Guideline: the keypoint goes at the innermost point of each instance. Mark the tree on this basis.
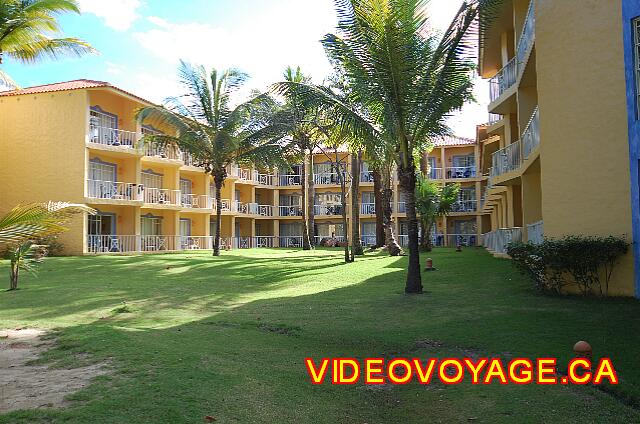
(37, 220)
(23, 257)
(432, 201)
(356, 242)
(25, 29)
(216, 134)
(25, 223)
(408, 78)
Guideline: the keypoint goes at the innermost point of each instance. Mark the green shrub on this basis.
(586, 262)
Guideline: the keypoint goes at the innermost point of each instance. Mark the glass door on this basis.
(102, 180)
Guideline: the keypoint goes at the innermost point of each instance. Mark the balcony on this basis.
(461, 172)
(197, 201)
(162, 196)
(464, 206)
(162, 152)
(188, 159)
(112, 136)
(367, 208)
(497, 241)
(225, 203)
(108, 190)
(535, 232)
(366, 177)
(290, 241)
(531, 135)
(503, 80)
(327, 210)
(369, 239)
(146, 243)
(267, 210)
(264, 179)
(493, 118)
(326, 178)
(290, 210)
(435, 173)
(245, 208)
(289, 180)
(506, 160)
(527, 37)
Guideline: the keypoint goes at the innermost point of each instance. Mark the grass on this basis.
(189, 335)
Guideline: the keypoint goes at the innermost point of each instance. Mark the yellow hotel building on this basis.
(561, 148)
(77, 141)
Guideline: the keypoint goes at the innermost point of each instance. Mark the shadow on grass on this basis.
(238, 354)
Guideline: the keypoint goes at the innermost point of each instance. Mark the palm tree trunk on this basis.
(377, 194)
(390, 241)
(408, 185)
(312, 195)
(305, 205)
(343, 191)
(216, 241)
(15, 271)
(356, 241)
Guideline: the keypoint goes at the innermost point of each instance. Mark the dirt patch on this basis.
(26, 386)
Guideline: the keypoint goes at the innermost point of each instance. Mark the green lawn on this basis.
(227, 337)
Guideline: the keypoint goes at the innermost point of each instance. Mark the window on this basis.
(368, 197)
(151, 179)
(151, 225)
(368, 229)
(636, 49)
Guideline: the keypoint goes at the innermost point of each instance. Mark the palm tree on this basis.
(356, 241)
(216, 134)
(25, 26)
(408, 78)
(432, 201)
(37, 220)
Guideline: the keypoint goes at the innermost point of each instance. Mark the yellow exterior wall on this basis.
(36, 168)
(584, 167)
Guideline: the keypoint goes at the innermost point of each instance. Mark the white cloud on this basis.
(117, 14)
(262, 45)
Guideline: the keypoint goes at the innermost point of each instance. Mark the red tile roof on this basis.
(448, 141)
(66, 86)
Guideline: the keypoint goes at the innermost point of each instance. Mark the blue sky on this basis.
(141, 41)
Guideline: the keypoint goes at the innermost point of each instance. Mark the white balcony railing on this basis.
(403, 240)
(264, 179)
(226, 204)
(457, 172)
(531, 134)
(503, 80)
(366, 177)
(469, 240)
(465, 206)
(535, 232)
(163, 152)
(162, 196)
(290, 210)
(245, 208)
(112, 136)
(188, 159)
(290, 241)
(289, 179)
(318, 240)
(367, 208)
(327, 210)
(527, 36)
(493, 118)
(435, 173)
(197, 201)
(369, 239)
(507, 159)
(267, 210)
(497, 241)
(327, 178)
(97, 189)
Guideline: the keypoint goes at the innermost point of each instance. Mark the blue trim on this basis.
(99, 109)
(151, 171)
(630, 11)
(102, 162)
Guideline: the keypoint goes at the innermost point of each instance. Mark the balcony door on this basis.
(101, 224)
(152, 184)
(151, 225)
(102, 179)
(186, 188)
